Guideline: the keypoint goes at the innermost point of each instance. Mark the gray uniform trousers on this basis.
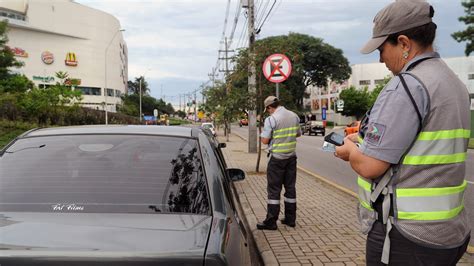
(281, 172)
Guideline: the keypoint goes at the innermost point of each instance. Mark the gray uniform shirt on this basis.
(393, 121)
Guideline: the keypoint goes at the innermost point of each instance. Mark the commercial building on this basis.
(61, 35)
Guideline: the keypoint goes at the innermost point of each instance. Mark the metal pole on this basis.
(252, 139)
(140, 92)
(105, 81)
(277, 91)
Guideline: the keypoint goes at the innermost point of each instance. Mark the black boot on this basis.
(288, 223)
(264, 226)
(290, 214)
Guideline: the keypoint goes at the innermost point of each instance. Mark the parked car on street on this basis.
(315, 127)
(352, 128)
(210, 127)
(119, 195)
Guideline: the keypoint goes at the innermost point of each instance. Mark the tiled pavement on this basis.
(327, 229)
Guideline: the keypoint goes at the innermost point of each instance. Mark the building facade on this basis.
(61, 35)
(372, 74)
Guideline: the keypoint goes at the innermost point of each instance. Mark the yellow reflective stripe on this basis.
(284, 144)
(286, 129)
(360, 139)
(445, 134)
(284, 136)
(283, 150)
(435, 159)
(365, 205)
(430, 192)
(364, 184)
(430, 216)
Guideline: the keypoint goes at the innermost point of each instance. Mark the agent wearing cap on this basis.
(280, 131)
(411, 163)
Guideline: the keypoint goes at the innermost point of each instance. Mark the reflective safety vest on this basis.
(285, 129)
(428, 185)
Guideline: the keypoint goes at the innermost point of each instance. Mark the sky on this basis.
(175, 43)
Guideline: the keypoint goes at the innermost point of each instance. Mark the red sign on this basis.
(277, 68)
(19, 52)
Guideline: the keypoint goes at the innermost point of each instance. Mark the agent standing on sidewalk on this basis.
(412, 158)
(280, 132)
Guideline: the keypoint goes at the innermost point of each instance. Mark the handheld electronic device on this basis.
(335, 139)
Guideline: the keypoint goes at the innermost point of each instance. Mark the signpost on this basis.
(277, 68)
(155, 114)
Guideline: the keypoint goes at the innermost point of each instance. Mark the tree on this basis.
(7, 59)
(314, 63)
(467, 35)
(356, 102)
(134, 86)
(375, 93)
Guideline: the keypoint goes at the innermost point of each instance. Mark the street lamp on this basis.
(105, 83)
(140, 92)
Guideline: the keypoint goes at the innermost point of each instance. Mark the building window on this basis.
(110, 92)
(470, 76)
(379, 81)
(364, 82)
(89, 90)
(12, 15)
(118, 93)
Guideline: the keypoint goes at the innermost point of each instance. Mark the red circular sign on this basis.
(277, 68)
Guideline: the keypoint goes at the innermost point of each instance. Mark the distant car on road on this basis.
(352, 128)
(243, 122)
(210, 127)
(119, 195)
(315, 127)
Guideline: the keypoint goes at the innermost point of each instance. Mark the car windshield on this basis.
(103, 173)
(207, 126)
(316, 123)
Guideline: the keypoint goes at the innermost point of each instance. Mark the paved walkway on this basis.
(327, 229)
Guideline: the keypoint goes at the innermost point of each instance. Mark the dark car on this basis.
(119, 195)
(315, 127)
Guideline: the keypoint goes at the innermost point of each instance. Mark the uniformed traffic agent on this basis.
(280, 132)
(411, 162)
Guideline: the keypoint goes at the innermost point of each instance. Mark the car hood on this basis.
(103, 235)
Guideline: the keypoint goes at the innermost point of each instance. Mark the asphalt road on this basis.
(312, 158)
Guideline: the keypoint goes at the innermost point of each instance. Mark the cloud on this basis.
(178, 40)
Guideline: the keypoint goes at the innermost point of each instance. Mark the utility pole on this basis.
(252, 136)
(195, 105)
(226, 119)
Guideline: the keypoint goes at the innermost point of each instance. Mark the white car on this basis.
(210, 127)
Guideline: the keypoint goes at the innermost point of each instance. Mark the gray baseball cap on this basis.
(269, 100)
(398, 16)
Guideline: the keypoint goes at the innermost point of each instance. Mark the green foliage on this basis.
(10, 130)
(471, 144)
(134, 86)
(225, 106)
(131, 105)
(467, 35)
(314, 62)
(180, 114)
(16, 83)
(356, 102)
(7, 59)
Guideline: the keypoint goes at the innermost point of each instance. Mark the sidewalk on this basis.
(326, 231)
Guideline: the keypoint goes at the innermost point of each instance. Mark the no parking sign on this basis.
(277, 68)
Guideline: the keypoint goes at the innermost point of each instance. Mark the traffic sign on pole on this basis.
(277, 68)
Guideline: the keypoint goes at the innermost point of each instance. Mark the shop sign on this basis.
(72, 82)
(19, 52)
(44, 79)
(47, 57)
(71, 59)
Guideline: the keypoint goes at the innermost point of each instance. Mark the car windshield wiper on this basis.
(26, 148)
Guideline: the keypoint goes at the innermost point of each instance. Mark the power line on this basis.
(269, 11)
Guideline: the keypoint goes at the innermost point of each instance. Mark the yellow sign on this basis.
(71, 59)
(200, 114)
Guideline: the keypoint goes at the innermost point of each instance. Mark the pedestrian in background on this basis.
(411, 162)
(280, 131)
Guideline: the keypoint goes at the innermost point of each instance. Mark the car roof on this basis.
(113, 129)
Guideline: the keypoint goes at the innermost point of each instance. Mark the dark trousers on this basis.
(407, 253)
(281, 172)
